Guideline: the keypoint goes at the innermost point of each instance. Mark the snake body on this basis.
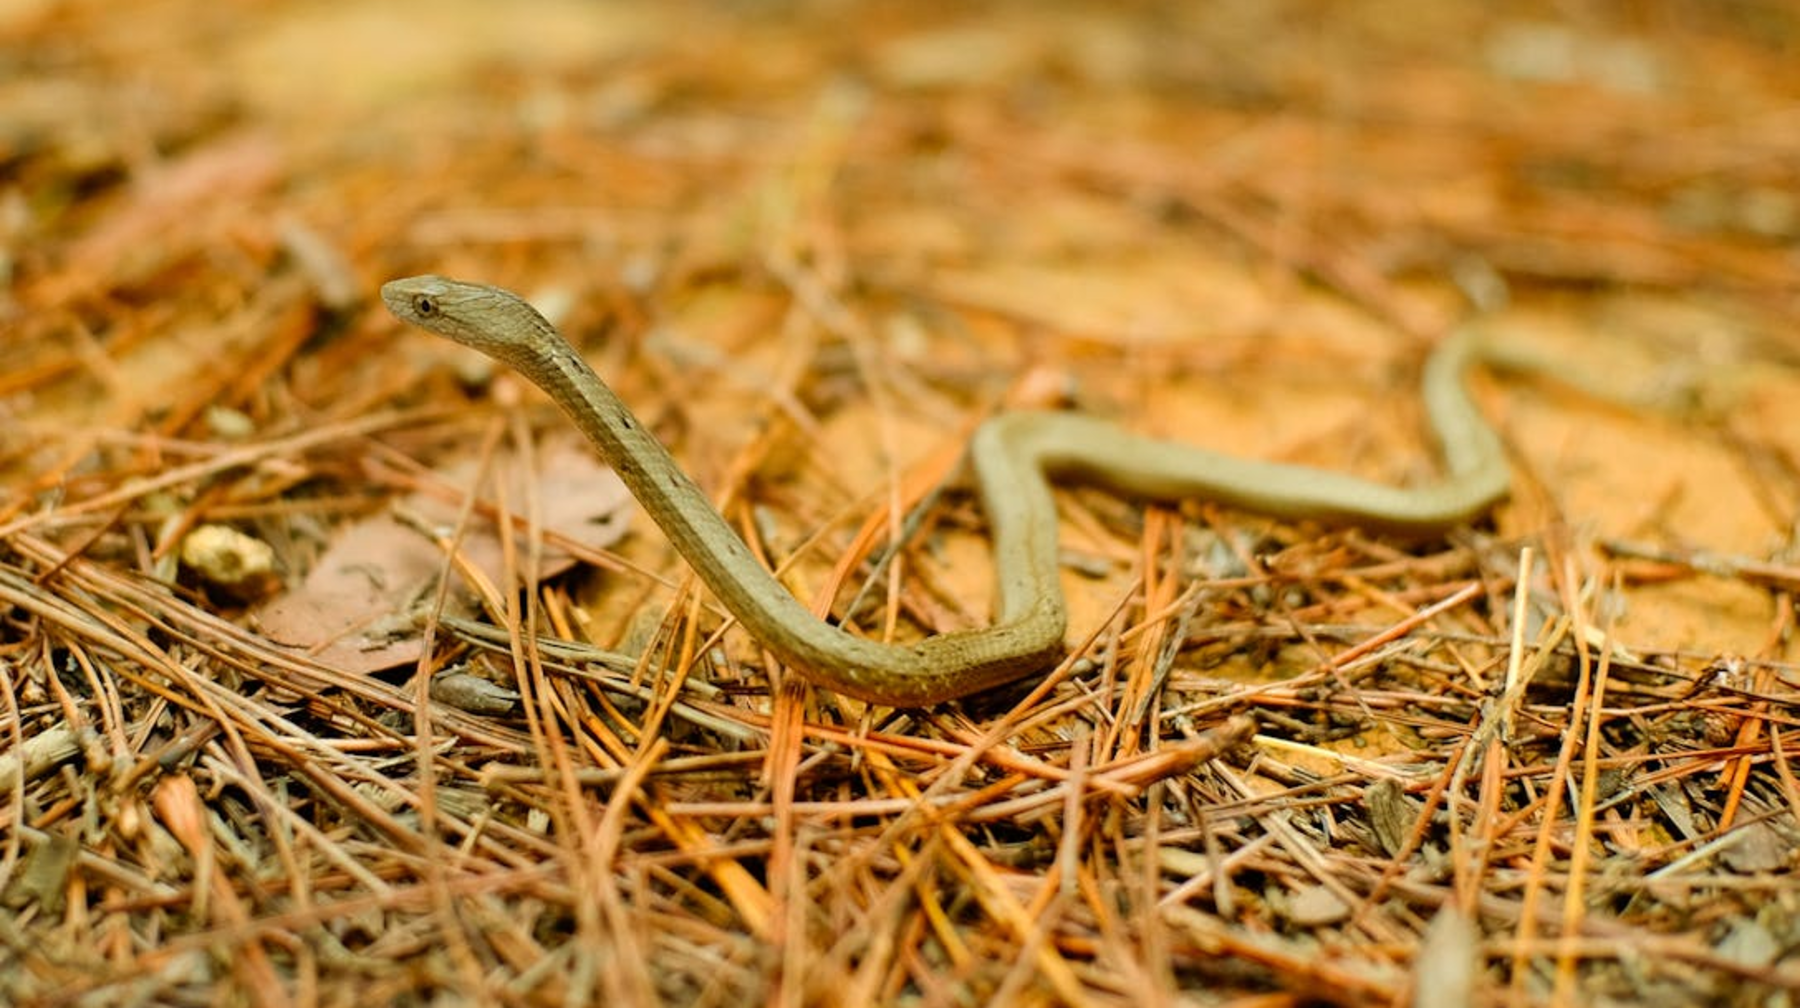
(1013, 457)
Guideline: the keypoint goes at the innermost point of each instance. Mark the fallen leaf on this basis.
(363, 604)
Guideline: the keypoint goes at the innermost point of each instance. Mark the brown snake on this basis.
(1012, 456)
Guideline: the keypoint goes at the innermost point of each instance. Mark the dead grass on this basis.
(1546, 761)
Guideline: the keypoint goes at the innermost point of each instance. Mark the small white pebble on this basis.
(228, 424)
(224, 556)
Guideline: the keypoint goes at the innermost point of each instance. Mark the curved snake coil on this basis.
(1012, 455)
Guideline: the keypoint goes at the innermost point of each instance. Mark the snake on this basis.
(1013, 457)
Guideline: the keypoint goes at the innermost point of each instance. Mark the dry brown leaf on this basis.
(363, 604)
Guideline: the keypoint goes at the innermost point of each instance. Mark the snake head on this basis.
(497, 322)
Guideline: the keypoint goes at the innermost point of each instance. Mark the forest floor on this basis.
(337, 670)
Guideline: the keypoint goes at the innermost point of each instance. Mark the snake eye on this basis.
(424, 305)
